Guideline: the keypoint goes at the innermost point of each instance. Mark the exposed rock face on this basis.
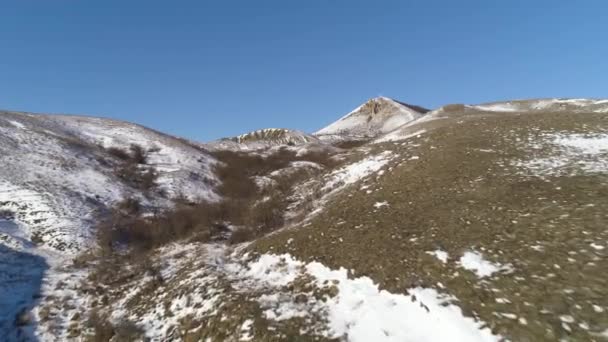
(263, 138)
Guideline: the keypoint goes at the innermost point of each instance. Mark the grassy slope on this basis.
(462, 194)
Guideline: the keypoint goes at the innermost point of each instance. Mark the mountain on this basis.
(465, 223)
(263, 138)
(376, 116)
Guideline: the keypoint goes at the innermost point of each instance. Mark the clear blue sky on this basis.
(207, 69)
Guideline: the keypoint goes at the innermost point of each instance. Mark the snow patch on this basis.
(352, 173)
(439, 254)
(360, 311)
(474, 262)
(17, 124)
(246, 327)
(569, 154)
(398, 135)
(379, 205)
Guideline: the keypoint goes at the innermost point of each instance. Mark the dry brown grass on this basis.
(350, 144)
(455, 107)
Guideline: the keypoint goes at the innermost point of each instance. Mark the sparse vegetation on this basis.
(349, 144)
(132, 167)
(118, 153)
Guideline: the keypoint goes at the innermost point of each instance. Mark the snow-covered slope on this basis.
(263, 138)
(532, 106)
(547, 105)
(377, 116)
(57, 173)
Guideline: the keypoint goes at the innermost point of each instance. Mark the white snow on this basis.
(566, 318)
(246, 334)
(379, 205)
(569, 153)
(17, 124)
(398, 135)
(182, 167)
(440, 254)
(583, 143)
(362, 312)
(474, 262)
(352, 173)
(273, 270)
(497, 107)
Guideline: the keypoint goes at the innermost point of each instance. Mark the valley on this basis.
(467, 222)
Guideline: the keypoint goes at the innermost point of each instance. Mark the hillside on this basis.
(61, 174)
(466, 223)
(62, 170)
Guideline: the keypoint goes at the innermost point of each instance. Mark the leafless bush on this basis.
(75, 143)
(267, 215)
(130, 206)
(118, 153)
(142, 233)
(242, 234)
(138, 155)
(140, 178)
(128, 331)
(6, 214)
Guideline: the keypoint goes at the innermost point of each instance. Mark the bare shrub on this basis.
(130, 206)
(350, 144)
(118, 153)
(37, 238)
(138, 154)
(242, 234)
(267, 215)
(143, 179)
(128, 331)
(75, 143)
(324, 158)
(126, 228)
(6, 214)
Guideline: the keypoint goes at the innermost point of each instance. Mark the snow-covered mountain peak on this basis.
(377, 116)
